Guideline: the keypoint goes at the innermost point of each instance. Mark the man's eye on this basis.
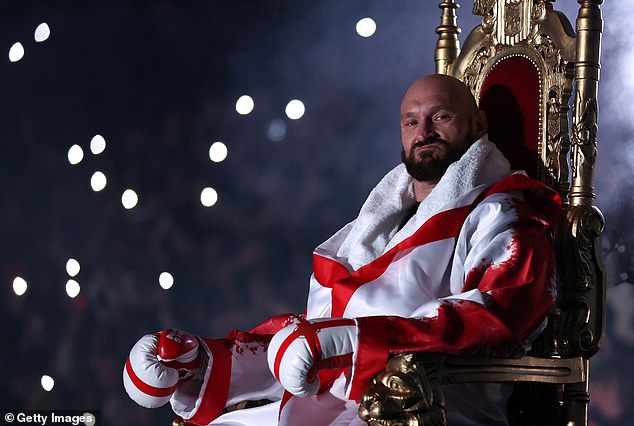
(441, 117)
(410, 123)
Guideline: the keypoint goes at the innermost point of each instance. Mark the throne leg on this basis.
(576, 400)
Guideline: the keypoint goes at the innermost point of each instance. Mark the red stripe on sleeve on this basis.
(217, 387)
(372, 353)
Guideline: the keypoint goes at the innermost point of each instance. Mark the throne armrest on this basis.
(409, 391)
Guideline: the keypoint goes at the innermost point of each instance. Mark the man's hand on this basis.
(297, 352)
(157, 363)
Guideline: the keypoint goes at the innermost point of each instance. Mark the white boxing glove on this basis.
(297, 352)
(157, 363)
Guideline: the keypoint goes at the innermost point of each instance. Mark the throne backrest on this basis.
(521, 64)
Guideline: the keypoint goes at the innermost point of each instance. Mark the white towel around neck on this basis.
(376, 229)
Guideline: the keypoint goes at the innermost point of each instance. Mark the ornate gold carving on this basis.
(486, 9)
(404, 394)
(558, 78)
(553, 138)
(408, 391)
(584, 144)
(483, 7)
(539, 12)
(473, 72)
(513, 21)
(581, 323)
(557, 138)
(544, 45)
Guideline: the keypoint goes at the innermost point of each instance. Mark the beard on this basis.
(430, 166)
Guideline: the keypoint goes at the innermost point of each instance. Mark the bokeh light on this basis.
(366, 27)
(166, 280)
(295, 109)
(72, 288)
(98, 181)
(47, 383)
(208, 197)
(218, 152)
(97, 144)
(89, 419)
(276, 130)
(244, 104)
(19, 286)
(16, 52)
(72, 267)
(42, 32)
(129, 199)
(75, 154)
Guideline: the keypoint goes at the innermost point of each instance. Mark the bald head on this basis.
(452, 89)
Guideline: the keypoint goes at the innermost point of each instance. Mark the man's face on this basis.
(437, 127)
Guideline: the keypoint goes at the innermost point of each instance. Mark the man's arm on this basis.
(507, 266)
(227, 371)
(503, 275)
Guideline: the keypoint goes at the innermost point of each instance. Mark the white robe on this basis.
(470, 272)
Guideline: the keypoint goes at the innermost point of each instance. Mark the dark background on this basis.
(159, 80)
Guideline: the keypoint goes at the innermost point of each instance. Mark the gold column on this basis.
(447, 46)
(585, 111)
(584, 274)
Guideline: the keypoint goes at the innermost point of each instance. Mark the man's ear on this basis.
(480, 124)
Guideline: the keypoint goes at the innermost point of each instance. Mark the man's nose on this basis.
(426, 129)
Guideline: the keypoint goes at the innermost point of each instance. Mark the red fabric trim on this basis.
(328, 271)
(285, 398)
(339, 361)
(372, 353)
(144, 387)
(444, 225)
(217, 390)
(275, 324)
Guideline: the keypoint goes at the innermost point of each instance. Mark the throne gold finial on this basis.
(447, 46)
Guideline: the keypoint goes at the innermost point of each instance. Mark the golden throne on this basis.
(522, 63)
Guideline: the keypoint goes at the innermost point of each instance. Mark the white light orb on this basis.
(276, 130)
(208, 197)
(97, 144)
(47, 382)
(42, 32)
(16, 52)
(366, 27)
(129, 199)
(244, 104)
(98, 181)
(218, 152)
(166, 280)
(72, 288)
(72, 267)
(75, 154)
(89, 419)
(295, 109)
(19, 286)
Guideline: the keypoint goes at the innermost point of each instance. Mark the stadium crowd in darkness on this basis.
(242, 260)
